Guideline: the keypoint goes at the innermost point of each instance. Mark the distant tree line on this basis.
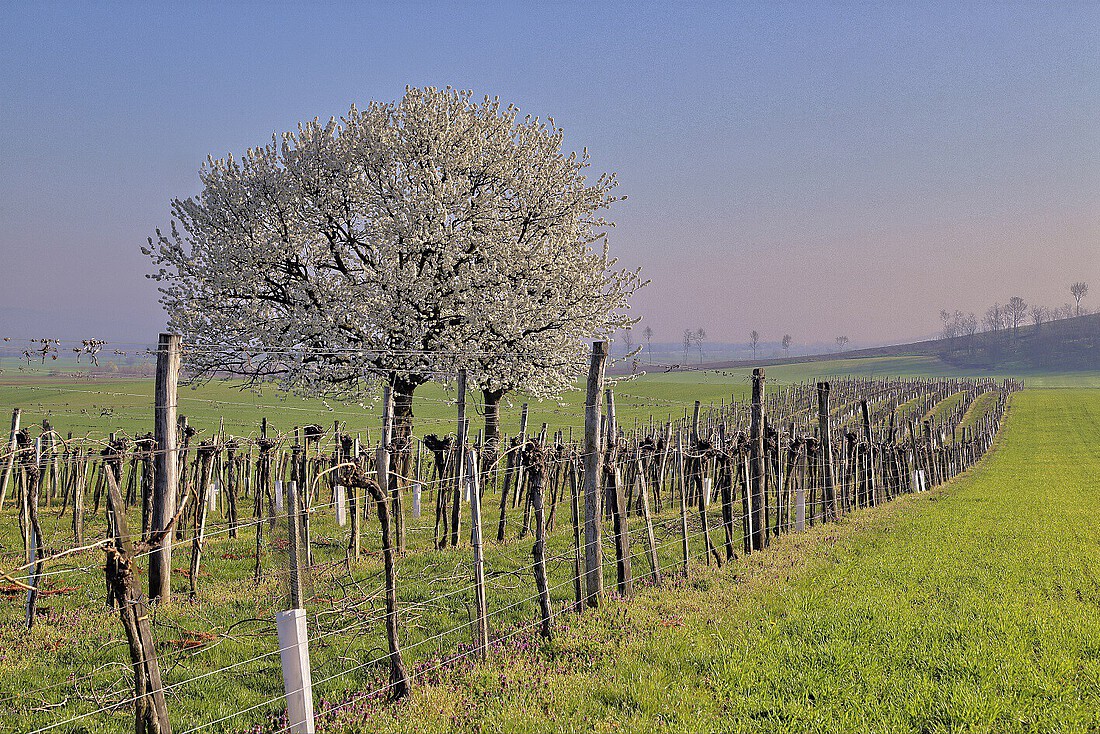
(1010, 316)
(996, 337)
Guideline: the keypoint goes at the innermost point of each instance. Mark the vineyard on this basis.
(411, 557)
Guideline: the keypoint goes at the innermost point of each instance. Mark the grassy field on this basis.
(96, 406)
(219, 649)
(911, 616)
(973, 608)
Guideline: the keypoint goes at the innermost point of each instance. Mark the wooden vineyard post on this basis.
(825, 433)
(696, 481)
(165, 478)
(512, 473)
(519, 494)
(184, 433)
(293, 540)
(578, 545)
(726, 467)
(231, 475)
(779, 475)
(662, 468)
(9, 463)
(481, 611)
(509, 456)
(593, 467)
(292, 629)
(150, 709)
(35, 474)
(147, 448)
(537, 476)
(683, 500)
(382, 454)
(399, 676)
(206, 454)
(393, 483)
(262, 489)
(643, 499)
(351, 453)
(617, 497)
(868, 438)
(793, 449)
(460, 457)
(78, 497)
(756, 460)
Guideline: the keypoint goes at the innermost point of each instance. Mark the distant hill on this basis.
(1066, 345)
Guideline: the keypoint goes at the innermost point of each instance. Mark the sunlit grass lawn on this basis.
(936, 612)
(972, 608)
(97, 406)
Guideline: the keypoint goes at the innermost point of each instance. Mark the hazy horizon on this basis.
(802, 169)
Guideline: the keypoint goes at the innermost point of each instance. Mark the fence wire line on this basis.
(423, 604)
(571, 552)
(446, 661)
(409, 607)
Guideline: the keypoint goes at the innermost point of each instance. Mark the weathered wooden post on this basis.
(617, 498)
(151, 711)
(519, 473)
(33, 545)
(513, 473)
(293, 632)
(13, 446)
(868, 438)
(481, 611)
(593, 468)
(262, 489)
(79, 468)
(726, 465)
(537, 467)
(233, 464)
(350, 452)
(399, 676)
(756, 460)
(184, 433)
(683, 500)
(382, 453)
(643, 499)
(460, 458)
(165, 478)
(205, 470)
(578, 545)
(825, 433)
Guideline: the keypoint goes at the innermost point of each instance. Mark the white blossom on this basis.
(399, 243)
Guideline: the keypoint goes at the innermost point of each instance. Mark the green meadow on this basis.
(91, 405)
(975, 607)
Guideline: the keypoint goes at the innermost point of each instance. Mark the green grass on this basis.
(944, 407)
(978, 409)
(74, 661)
(90, 405)
(97, 406)
(972, 608)
(926, 366)
(882, 618)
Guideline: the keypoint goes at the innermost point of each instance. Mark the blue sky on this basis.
(807, 168)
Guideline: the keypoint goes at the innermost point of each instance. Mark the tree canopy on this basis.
(400, 243)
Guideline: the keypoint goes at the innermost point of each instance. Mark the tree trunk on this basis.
(492, 400)
(538, 476)
(401, 454)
